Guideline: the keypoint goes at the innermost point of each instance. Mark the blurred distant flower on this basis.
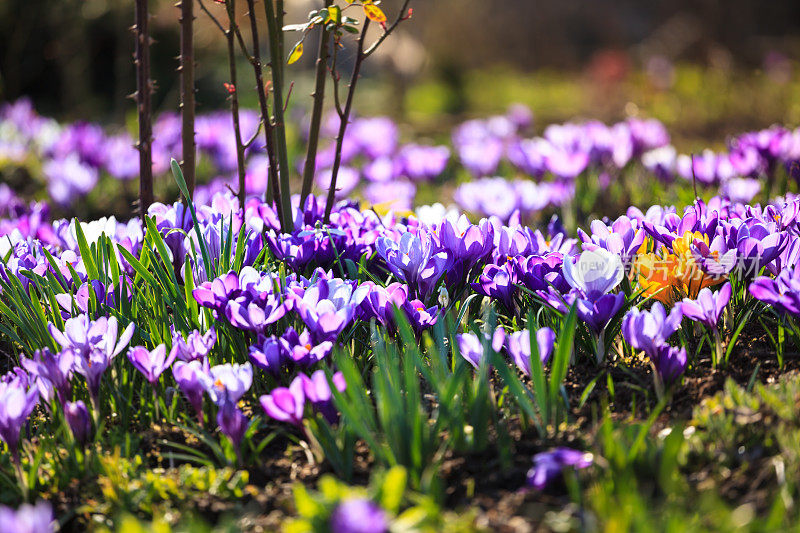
(548, 466)
(359, 515)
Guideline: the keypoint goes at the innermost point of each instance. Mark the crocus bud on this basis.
(78, 419)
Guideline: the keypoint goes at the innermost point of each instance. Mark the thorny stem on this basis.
(143, 108)
(316, 112)
(273, 186)
(274, 16)
(186, 69)
(343, 119)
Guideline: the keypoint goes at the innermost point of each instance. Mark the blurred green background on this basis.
(706, 68)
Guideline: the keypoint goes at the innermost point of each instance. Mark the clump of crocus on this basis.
(548, 466)
(692, 263)
(286, 404)
(708, 309)
(359, 515)
(78, 420)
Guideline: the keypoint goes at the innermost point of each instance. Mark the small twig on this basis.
(211, 16)
(243, 46)
(288, 96)
(252, 139)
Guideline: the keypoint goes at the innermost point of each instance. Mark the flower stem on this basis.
(718, 352)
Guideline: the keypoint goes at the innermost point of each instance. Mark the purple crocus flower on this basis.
(267, 354)
(216, 294)
(466, 244)
(670, 362)
(548, 466)
(599, 312)
(196, 346)
(82, 335)
(499, 283)
(191, 378)
(301, 350)
(471, 348)
(228, 382)
(380, 302)
(758, 246)
(715, 259)
(286, 404)
(359, 515)
(17, 400)
(328, 306)
(539, 272)
(649, 330)
(28, 518)
(78, 420)
(622, 238)
(255, 315)
(151, 363)
(94, 345)
(708, 306)
(519, 346)
(416, 260)
(233, 423)
(420, 162)
(783, 292)
(317, 390)
(53, 372)
(419, 316)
